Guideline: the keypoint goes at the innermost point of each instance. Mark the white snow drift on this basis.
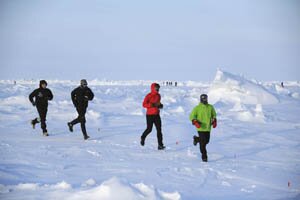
(237, 89)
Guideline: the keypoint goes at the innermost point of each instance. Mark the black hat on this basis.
(43, 82)
(83, 82)
(203, 98)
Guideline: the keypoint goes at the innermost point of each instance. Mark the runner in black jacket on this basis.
(39, 98)
(80, 98)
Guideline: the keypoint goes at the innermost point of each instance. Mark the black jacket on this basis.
(81, 95)
(41, 97)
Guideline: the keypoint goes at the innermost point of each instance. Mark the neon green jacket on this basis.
(203, 113)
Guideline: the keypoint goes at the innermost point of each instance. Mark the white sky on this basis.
(157, 39)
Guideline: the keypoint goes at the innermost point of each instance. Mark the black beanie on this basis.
(83, 82)
(43, 82)
(203, 98)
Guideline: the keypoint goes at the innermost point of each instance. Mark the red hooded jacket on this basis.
(150, 99)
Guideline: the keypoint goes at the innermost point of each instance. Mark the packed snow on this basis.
(254, 153)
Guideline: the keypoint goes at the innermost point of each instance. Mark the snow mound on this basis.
(27, 186)
(89, 182)
(296, 95)
(243, 113)
(61, 186)
(281, 90)
(178, 110)
(93, 115)
(112, 189)
(232, 88)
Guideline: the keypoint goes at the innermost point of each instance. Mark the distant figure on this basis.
(171, 83)
(175, 84)
(203, 117)
(15, 82)
(80, 98)
(282, 85)
(39, 98)
(153, 105)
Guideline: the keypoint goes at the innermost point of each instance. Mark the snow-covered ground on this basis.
(254, 153)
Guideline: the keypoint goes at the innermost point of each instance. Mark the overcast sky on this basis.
(154, 39)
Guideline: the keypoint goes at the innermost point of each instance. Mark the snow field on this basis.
(253, 153)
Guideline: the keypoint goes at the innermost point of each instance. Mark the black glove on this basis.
(156, 105)
(161, 106)
(33, 103)
(153, 105)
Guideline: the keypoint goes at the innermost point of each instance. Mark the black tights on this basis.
(42, 114)
(81, 119)
(203, 140)
(153, 119)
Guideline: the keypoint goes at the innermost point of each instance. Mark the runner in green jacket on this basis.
(203, 117)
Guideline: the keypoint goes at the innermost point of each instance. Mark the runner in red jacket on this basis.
(153, 105)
